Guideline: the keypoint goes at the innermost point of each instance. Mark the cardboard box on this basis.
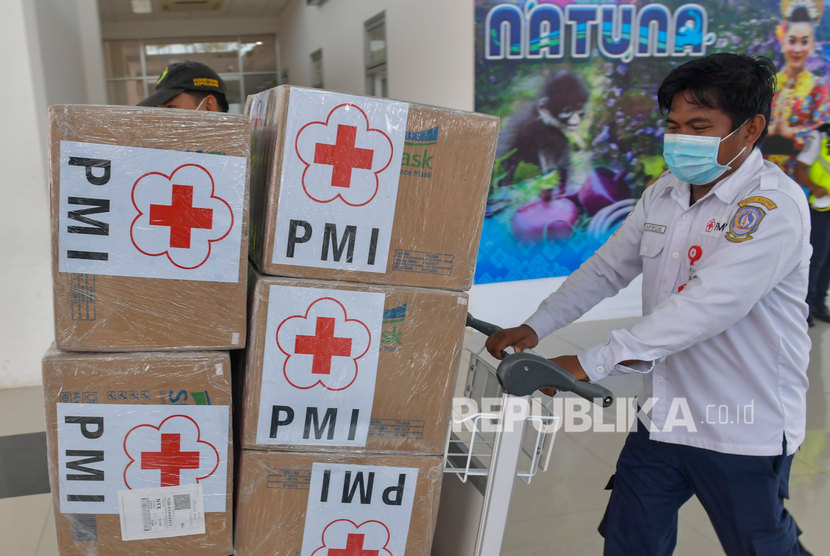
(367, 190)
(137, 433)
(149, 228)
(290, 504)
(334, 366)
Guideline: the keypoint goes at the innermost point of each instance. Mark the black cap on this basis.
(183, 77)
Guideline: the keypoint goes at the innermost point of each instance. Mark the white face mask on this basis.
(201, 103)
(694, 158)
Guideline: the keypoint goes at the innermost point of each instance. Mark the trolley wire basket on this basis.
(478, 418)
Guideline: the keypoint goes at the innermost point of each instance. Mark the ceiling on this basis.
(121, 10)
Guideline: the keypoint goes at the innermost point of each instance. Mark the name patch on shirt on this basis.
(657, 228)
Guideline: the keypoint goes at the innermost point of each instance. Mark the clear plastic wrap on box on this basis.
(149, 228)
(338, 366)
(367, 190)
(292, 503)
(140, 452)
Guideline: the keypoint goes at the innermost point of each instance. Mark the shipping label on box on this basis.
(358, 509)
(158, 513)
(151, 213)
(339, 184)
(107, 448)
(319, 366)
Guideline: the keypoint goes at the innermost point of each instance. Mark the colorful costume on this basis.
(807, 104)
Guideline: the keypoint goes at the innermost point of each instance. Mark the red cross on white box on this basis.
(343, 156)
(357, 539)
(354, 547)
(170, 454)
(323, 346)
(170, 460)
(181, 216)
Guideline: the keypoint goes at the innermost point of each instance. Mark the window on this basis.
(247, 63)
(317, 68)
(375, 55)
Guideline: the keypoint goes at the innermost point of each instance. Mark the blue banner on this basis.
(575, 85)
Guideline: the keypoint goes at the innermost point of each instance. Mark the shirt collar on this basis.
(728, 189)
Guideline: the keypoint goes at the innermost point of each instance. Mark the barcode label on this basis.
(145, 513)
(152, 513)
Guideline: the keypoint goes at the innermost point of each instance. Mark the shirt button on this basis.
(601, 369)
(675, 255)
(685, 217)
(660, 379)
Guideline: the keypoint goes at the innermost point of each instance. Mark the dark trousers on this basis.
(743, 495)
(820, 261)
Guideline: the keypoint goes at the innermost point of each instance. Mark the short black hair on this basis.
(740, 85)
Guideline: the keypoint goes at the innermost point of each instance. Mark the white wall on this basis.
(429, 47)
(52, 55)
(26, 325)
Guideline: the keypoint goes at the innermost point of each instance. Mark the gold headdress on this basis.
(815, 8)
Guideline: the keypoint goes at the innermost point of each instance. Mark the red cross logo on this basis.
(710, 225)
(354, 547)
(343, 156)
(323, 346)
(181, 216)
(170, 460)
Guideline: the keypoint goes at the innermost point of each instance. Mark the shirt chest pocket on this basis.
(651, 245)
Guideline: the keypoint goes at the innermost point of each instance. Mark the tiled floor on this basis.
(27, 525)
(557, 513)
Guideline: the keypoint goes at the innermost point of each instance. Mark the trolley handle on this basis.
(522, 373)
(486, 328)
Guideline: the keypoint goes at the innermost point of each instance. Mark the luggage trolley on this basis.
(500, 434)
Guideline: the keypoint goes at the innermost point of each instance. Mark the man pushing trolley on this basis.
(722, 243)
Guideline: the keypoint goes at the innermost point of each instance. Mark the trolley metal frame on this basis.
(513, 438)
(498, 444)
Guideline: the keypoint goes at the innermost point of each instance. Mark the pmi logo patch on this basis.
(417, 157)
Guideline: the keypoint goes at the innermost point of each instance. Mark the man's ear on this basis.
(212, 104)
(753, 129)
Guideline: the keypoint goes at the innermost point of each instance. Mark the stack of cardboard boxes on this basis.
(366, 217)
(149, 246)
(365, 222)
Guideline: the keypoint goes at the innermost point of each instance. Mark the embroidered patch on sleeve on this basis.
(747, 218)
(758, 200)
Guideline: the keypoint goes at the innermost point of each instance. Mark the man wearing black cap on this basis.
(190, 85)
